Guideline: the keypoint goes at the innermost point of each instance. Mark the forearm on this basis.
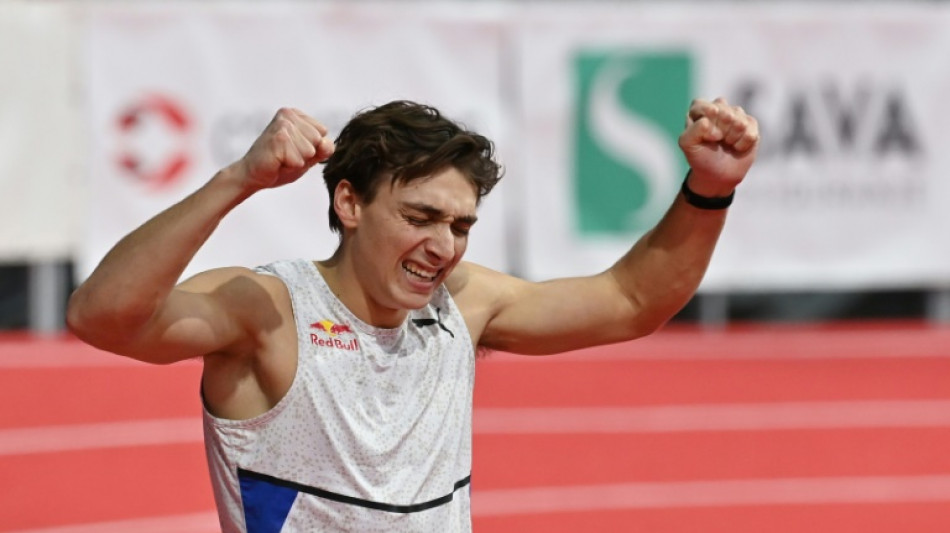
(662, 271)
(138, 273)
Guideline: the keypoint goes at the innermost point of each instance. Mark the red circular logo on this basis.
(155, 147)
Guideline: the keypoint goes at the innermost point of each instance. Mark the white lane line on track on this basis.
(54, 439)
(712, 417)
(507, 421)
(206, 522)
(712, 493)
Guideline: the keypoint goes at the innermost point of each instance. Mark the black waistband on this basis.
(369, 504)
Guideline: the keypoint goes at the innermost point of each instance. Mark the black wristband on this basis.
(705, 202)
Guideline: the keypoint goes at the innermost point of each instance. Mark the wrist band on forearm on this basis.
(705, 202)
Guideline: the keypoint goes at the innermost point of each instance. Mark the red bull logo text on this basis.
(334, 331)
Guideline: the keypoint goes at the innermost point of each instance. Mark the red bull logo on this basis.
(334, 330)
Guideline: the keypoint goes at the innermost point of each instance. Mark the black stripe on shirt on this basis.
(369, 504)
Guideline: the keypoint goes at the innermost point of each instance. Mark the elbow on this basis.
(84, 318)
(650, 316)
(656, 325)
(103, 322)
(645, 326)
(77, 315)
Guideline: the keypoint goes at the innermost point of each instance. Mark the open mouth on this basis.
(420, 273)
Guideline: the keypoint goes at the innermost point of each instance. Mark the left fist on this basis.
(720, 143)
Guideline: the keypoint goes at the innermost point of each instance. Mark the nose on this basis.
(441, 244)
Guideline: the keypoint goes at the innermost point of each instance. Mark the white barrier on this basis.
(847, 193)
(40, 140)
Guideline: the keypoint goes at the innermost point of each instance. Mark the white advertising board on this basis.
(177, 91)
(40, 143)
(850, 186)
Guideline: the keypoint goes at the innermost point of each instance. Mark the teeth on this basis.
(420, 273)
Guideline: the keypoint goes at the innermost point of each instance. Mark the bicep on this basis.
(216, 311)
(560, 315)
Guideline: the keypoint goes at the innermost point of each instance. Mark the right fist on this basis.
(286, 149)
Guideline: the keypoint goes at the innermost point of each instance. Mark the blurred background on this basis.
(112, 111)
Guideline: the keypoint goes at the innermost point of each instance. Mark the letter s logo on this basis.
(628, 138)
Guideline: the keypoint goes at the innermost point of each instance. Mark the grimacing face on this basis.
(410, 237)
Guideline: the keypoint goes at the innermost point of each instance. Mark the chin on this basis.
(413, 300)
(418, 302)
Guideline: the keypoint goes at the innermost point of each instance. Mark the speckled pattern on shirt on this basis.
(382, 415)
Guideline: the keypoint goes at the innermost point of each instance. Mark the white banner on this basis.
(851, 182)
(39, 139)
(177, 91)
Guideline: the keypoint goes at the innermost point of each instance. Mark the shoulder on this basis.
(482, 293)
(252, 297)
(477, 281)
(232, 281)
(488, 286)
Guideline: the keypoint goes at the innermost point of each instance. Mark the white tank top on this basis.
(374, 434)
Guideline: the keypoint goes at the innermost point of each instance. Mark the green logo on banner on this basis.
(630, 110)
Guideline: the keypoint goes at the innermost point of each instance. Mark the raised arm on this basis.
(130, 304)
(651, 282)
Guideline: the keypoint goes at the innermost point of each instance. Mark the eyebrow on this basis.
(435, 212)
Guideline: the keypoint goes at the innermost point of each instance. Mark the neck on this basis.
(343, 279)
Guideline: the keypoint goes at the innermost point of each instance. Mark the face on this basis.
(409, 239)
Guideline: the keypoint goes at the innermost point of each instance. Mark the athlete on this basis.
(338, 393)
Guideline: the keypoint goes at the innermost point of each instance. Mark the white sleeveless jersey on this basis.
(374, 434)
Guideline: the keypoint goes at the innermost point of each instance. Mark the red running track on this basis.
(782, 429)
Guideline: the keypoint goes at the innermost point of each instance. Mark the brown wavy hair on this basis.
(404, 141)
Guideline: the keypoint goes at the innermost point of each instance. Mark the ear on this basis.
(347, 204)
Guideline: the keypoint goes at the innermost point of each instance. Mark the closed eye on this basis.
(416, 221)
(424, 215)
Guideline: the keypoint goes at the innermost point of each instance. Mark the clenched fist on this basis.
(290, 144)
(720, 143)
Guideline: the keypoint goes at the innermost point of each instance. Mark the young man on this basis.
(338, 393)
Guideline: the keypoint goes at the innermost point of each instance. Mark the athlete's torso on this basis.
(374, 433)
